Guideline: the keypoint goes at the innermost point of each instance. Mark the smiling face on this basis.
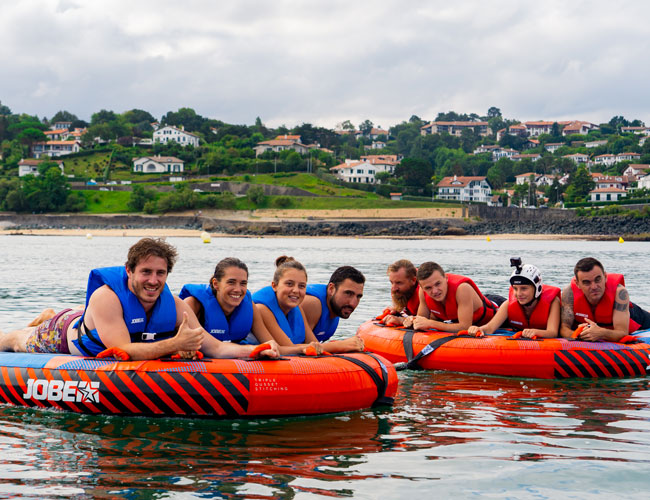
(435, 286)
(290, 289)
(592, 283)
(231, 288)
(344, 300)
(524, 293)
(402, 287)
(147, 280)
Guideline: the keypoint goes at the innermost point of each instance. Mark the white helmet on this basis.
(527, 275)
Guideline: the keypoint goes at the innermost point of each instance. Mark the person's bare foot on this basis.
(44, 316)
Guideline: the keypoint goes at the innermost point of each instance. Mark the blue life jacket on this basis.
(160, 325)
(292, 324)
(326, 326)
(235, 327)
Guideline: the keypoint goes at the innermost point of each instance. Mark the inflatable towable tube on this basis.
(503, 354)
(209, 388)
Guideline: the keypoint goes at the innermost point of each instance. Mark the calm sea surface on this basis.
(448, 434)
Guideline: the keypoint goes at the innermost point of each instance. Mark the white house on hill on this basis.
(606, 194)
(282, 143)
(464, 189)
(355, 171)
(30, 166)
(55, 148)
(169, 133)
(158, 164)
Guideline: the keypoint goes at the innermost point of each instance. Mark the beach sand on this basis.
(195, 233)
(278, 216)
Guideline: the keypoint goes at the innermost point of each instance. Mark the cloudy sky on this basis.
(322, 62)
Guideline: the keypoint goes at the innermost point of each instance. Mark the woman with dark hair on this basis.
(225, 307)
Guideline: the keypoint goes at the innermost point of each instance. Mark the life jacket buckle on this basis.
(148, 336)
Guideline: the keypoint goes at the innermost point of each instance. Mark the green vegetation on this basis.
(106, 202)
(47, 192)
(113, 140)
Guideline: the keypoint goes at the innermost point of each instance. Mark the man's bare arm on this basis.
(313, 310)
(567, 314)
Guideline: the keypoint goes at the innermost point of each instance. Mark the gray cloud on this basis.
(326, 61)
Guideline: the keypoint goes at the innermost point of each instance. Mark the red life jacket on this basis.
(448, 311)
(411, 308)
(539, 318)
(604, 310)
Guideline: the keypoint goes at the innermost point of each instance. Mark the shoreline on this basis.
(501, 225)
(196, 233)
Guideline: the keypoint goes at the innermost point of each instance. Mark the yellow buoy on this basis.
(620, 239)
(488, 239)
(205, 237)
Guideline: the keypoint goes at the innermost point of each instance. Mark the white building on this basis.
(158, 164)
(475, 189)
(644, 182)
(55, 148)
(375, 133)
(579, 128)
(455, 128)
(636, 170)
(486, 148)
(552, 147)
(579, 158)
(355, 171)
(525, 178)
(628, 156)
(606, 194)
(605, 160)
(61, 125)
(497, 154)
(382, 163)
(30, 166)
(635, 130)
(169, 133)
(531, 157)
(610, 181)
(282, 143)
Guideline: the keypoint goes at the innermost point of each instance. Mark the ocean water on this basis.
(448, 434)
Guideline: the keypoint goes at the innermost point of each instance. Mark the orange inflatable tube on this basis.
(209, 388)
(501, 354)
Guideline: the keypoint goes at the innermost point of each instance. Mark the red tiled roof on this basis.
(458, 181)
(59, 143)
(163, 159)
(285, 136)
(348, 165)
(280, 142)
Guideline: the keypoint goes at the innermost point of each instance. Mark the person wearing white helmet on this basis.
(532, 307)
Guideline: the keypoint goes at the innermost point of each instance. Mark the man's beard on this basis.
(338, 311)
(401, 299)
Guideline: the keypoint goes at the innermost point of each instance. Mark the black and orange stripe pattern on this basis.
(135, 392)
(601, 363)
(224, 388)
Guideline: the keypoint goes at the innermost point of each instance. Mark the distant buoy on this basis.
(620, 239)
(89, 236)
(488, 239)
(205, 237)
